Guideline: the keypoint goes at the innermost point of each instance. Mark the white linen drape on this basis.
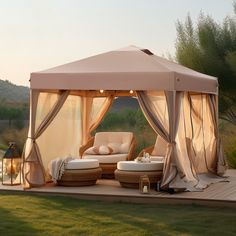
(63, 137)
(93, 111)
(221, 163)
(190, 130)
(33, 169)
(154, 105)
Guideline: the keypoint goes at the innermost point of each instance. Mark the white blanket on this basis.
(57, 167)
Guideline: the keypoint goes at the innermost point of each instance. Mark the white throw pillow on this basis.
(103, 150)
(92, 150)
(115, 146)
(124, 148)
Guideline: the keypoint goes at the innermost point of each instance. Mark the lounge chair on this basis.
(109, 148)
(157, 152)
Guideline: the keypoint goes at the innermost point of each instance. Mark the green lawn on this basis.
(22, 214)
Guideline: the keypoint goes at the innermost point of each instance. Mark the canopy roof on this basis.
(124, 69)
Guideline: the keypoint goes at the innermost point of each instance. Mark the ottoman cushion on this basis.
(107, 159)
(157, 158)
(81, 164)
(134, 166)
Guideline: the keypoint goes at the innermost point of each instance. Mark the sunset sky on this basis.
(36, 35)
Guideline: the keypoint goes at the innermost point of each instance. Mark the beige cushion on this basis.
(105, 159)
(134, 166)
(160, 147)
(157, 158)
(103, 149)
(80, 164)
(123, 139)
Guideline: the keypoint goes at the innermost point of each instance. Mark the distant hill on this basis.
(13, 94)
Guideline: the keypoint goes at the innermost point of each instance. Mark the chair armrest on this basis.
(148, 150)
(131, 152)
(84, 147)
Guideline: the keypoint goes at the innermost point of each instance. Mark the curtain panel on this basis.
(93, 111)
(221, 162)
(33, 169)
(194, 156)
(162, 112)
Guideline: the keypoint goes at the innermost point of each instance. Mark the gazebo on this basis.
(68, 102)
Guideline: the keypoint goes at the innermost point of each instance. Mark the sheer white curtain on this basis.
(196, 144)
(33, 167)
(93, 111)
(213, 107)
(189, 129)
(162, 112)
(63, 137)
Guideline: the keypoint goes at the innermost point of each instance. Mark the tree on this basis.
(10, 114)
(210, 48)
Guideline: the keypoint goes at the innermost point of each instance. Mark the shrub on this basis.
(228, 137)
(231, 155)
(14, 135)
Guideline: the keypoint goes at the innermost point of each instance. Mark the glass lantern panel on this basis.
(11, 171)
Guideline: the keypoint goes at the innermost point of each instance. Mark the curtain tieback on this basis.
(33, 139)
(173, 143)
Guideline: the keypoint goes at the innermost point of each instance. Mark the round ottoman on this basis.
(81, 172)
(128, 173)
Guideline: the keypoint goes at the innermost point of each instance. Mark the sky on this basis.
(39, 34)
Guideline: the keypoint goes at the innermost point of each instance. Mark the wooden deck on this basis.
(218, 194)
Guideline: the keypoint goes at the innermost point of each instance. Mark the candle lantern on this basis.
(11, 166)
(144, 184)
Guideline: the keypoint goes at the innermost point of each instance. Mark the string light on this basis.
(101, 91)
(131, 91)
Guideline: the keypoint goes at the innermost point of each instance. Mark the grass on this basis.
(22, 214)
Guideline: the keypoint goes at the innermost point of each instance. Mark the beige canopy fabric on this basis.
(180, 104)
(129, 68)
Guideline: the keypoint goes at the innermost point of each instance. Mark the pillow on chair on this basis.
(111, 148)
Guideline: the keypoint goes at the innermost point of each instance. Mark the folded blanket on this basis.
(57, 167)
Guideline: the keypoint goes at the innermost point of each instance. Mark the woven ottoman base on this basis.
(84, 177)
(108, 170)
(130, 179)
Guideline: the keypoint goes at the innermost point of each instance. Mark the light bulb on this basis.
(101, 90)
(131, 91)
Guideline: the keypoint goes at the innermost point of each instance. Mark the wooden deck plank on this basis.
(222, 193)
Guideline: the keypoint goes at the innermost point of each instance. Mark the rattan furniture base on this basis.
(84, 177)
(130, 179)
(108, 170)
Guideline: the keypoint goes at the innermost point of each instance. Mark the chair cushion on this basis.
(105, 159)
(107, 138)
(160, 147)
(80, 164)
(111, 148)
(157, 158)
(134, 166)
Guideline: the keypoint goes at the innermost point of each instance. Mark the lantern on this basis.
(144, 184)
(11, 166)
